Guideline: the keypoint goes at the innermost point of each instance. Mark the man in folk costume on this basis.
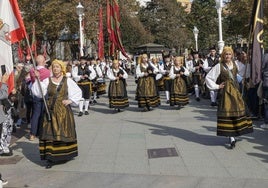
(232, 118)
(197, 72)
(189, 67)
(84, 74)
(165, 71)
(96, 82)
(212, 60)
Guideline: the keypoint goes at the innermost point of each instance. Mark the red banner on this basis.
(100, 38)
(113, 26)
(34, 42)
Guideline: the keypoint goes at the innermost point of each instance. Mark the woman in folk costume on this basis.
(147, 94)
(232, 119)
(117, 94)
(178, 74)
(57, 141)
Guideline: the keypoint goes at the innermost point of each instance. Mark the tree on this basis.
(53, 16)
(238, 18)
(133, 31)
(204, 16)
(161, 21)
(50, 18)
(166, 20)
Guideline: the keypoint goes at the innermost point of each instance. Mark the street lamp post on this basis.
(80, 13)
(219, 6)
(196, 31)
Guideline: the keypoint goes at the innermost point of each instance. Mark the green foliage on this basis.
(51, 17)
(239, 13)
(166, 20)
(204, 16)
(132, 30)
(161, 21)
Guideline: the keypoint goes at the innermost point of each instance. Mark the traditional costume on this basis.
(198, 73)
(84, 76)
(165, 70)
(178, 92)
(212, 60)
(99, 86)
(147, 94)
(232, 117)
(58, 141)
(117, 94)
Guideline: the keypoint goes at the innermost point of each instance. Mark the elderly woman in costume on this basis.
(147, 94)
(232, 119)
(178, 74)
(117, 94)
(57, 141)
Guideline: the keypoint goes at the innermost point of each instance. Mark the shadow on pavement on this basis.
(185, 134)
(30, 150)
(260, 138)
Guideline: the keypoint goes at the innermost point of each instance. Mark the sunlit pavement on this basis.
(163, 148)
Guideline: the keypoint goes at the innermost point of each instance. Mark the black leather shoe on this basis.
(213, 104)
(118, 110)
(86, 113)
(10, 153)
(49, 165)
(80, 114)
(232, 144)
(197, 99)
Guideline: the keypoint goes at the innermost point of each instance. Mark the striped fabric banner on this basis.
(257, 41)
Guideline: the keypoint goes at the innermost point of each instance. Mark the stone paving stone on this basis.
(248, 172)
(211, 171)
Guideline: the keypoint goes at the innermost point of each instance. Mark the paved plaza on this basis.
(163, 148)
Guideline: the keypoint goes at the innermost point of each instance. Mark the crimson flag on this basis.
(20, 52)
(100, 38)
(113, 26)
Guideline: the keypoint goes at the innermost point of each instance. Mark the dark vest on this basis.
(211, 62)
(224, 75)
